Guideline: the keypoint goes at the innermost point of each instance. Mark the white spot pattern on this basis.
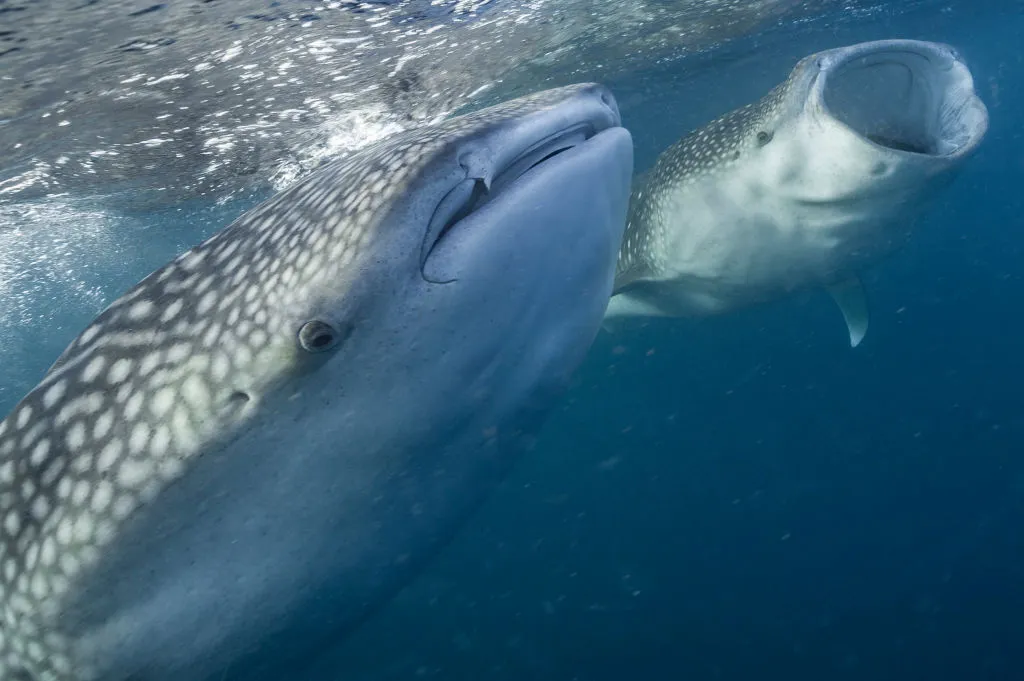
(144, 389)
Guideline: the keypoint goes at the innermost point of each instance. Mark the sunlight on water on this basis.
(56, 244)
(211, 101)
(716, 499)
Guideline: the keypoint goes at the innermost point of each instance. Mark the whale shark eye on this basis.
(318, 336)
(764, 137)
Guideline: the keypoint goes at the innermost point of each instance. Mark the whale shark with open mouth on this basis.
(819, 179)
(256, 446)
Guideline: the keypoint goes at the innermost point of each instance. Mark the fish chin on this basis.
(906, 97)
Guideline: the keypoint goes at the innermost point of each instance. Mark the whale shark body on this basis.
(258, 444)
(804, 188)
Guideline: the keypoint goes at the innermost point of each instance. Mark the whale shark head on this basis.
(854, 139)
(296, 407)
(820, 177)
(876, 123)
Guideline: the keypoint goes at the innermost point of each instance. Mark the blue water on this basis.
(741, 497)
(746, 497)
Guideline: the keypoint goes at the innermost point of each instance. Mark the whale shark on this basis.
(803, 189)
(253, 448)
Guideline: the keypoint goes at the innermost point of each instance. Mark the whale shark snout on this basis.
(820, 178)
(257, 445)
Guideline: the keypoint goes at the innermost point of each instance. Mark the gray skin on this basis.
(262, 441)
(819, 179)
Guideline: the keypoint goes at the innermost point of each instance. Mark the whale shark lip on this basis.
(515, 151)
(539, 153)
(474, 193)
(905, 96)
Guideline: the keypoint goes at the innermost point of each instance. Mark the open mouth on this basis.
(909, 97)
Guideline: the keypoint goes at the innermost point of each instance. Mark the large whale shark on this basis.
(259, 443)
(804, 188)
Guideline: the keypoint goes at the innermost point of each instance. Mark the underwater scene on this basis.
(560, 340)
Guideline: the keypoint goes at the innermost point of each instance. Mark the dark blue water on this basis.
(742, 497)
(747, 497)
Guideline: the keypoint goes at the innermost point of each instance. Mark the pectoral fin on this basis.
(849, 296)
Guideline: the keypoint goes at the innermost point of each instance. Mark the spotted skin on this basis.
(818, 179)
(711, 151)
(208, 349)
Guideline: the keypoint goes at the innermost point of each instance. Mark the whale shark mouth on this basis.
(538, 153)
(904, 96)
(473, 194)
